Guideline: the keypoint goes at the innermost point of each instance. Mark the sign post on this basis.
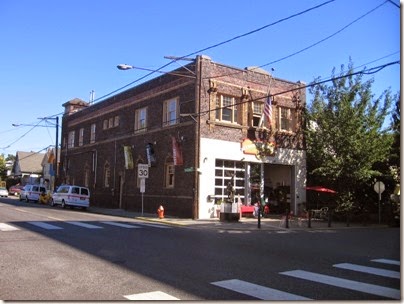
(379, 188)
(142, 173)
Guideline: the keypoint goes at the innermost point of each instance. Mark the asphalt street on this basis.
(61, 254)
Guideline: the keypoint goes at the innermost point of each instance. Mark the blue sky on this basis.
(54, 51)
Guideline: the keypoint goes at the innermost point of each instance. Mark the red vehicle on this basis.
(15, 190)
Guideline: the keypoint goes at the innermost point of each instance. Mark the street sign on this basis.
(379, 187)
(143, 171)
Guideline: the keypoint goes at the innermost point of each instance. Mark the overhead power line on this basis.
(19, 138)
(216, 45)
(326, 38)
(368, 71)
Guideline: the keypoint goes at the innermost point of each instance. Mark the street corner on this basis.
(164, 221)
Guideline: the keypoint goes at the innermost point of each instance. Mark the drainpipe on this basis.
(198, 86)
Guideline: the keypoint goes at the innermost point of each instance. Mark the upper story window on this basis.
(70, 140)
(92, 134)
(169, 175)
(116, 121)
(286, 119)
(141, 120)
(81, 136)
(226, 108)
(111, 122)
(170, 112)
(257, 111)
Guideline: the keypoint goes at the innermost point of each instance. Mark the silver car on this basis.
(3, 192)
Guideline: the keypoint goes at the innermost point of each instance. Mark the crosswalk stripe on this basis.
(386, 261)
(371, 270)
(7, 227)
(344, 283)
(154, 296)
(85, 225)
(257, 291)
(45, 225)
(120, 225)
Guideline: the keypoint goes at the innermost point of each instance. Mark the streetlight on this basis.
(124, 67)
(57, 137)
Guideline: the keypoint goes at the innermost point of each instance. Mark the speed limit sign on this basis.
(143, 171)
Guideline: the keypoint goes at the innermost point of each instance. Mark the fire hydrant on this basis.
(160, 212)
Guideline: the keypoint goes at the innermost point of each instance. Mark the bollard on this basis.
(329, 218)
(259, 218)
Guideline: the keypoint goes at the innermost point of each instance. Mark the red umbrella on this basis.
(320, 189)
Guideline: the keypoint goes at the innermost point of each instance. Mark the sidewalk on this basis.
(274, 222)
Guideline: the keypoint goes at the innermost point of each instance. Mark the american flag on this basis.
(268, 110)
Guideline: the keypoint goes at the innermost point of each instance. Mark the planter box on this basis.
(229, 217)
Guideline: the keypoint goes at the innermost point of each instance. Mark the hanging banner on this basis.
(128, 157)
(177, 152)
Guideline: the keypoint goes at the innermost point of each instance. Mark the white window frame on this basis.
(224, 170)
(226, 104)
(70, 140)
(286, 120)
(170, 112)
(257, 112)
(141, 120)
(92, 133)
(81, 137)
(169, 175)
(116, 121)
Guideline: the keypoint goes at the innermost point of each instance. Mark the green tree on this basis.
(345, 136)
(3, 169)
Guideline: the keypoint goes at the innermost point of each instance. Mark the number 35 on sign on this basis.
(143, 171)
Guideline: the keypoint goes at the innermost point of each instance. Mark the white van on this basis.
(32, 192)
(73, 196)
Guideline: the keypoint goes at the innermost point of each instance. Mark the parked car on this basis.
(15, 190)
(72, 196)
(32, 193)
(3, 192)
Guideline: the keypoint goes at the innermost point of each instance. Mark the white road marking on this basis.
(7, 227)
(371, 270)
(45, 225)
(386, 261)
(85, 225)
(343, 283)
(151, 296)
(258, 291)
(120, 225)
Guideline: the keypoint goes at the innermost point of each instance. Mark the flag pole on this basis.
(268, 96)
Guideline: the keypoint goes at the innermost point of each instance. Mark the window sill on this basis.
(225, 124)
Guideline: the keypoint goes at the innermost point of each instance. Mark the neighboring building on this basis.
(28, 167)
(198, 128)
(9, 166)
(49, 168)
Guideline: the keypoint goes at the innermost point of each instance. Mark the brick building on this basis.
(197, 128)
